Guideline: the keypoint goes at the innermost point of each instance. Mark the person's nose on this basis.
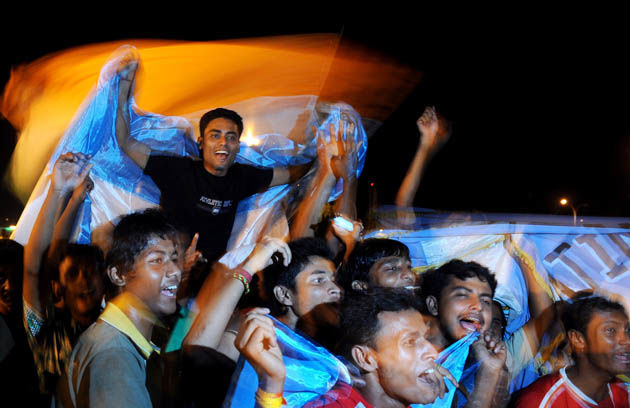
(429, 351)
(334, 291)
(475, 303)
(408, 276)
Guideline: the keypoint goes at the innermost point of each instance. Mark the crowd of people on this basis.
(154, 318)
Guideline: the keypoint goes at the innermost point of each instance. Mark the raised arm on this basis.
(541, 306)
(345, 167)
(433, 135)
(309, 210)
(137, 151)
(69, 171)
(286, 175)
(223, 289)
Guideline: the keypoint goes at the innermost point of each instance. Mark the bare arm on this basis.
(541, 306)
(309, 210)
(69, 171)
(64, 225)
(286, 175)
(137, 151)
(432, 137)
(221, 292)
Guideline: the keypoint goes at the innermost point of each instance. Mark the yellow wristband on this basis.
(269, 400)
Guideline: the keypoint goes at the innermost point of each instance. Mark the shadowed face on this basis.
(392, 272)
(83, 289)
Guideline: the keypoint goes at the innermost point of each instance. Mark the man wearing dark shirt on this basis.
(200, 195)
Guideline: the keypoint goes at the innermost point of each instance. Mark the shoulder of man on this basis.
(533, 394)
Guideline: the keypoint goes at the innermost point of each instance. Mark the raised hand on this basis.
(490, 351)
(191, 256)
(261, 256)
(346, 162)
(433, 131)
(69, 171)
(256, 341)
(127, 72)
(348, 237)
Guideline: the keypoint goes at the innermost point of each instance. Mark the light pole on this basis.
(564, 202)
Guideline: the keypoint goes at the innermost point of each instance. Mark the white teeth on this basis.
(221, 152)
(172, 287)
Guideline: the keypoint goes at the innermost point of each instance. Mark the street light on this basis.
(564, 202)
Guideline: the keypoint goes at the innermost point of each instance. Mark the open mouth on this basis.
(428, 377)
(623, 358)
(170, 291)
(222, 154)
(471, 323)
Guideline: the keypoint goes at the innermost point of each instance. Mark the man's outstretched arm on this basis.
(137, 151)
(69, 172)
(433, 135)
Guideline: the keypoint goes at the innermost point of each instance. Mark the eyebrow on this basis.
(219, 131)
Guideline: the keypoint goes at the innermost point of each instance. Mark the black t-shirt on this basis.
(196, 201)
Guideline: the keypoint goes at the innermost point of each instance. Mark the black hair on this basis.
(578, 314)
(365, 255)
(359, 315)
(220, 113)
(132, 235)
(277, 274)
(83, 255)
(434, 280)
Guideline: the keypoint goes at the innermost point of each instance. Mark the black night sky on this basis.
(537, 112)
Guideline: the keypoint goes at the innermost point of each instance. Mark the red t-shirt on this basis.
(340, 396)
(556, 390)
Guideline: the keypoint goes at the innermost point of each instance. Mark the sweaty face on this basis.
(465, 306)
(220, 144)
(315, 285)
(608, 342)
(392, 272)
(404, 355)
(156, 275)
(83, 289)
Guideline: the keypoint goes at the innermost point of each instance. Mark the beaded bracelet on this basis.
(244, 280)
(243, 272)
(269, 400)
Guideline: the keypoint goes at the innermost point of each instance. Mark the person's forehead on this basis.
(601, 317)
(317, 264)
(393, 325)
(472, 283)
(223, 124)
(159, 244)
(388, 260)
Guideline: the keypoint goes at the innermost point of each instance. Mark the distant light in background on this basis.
(250, 139)
(372, 184)
(563, 201)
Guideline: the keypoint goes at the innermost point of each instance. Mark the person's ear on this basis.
(364, 358)
(359, 286)
(116, 277)
(283, 295)
(577, 340)
(432, 305)
(57, 291)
